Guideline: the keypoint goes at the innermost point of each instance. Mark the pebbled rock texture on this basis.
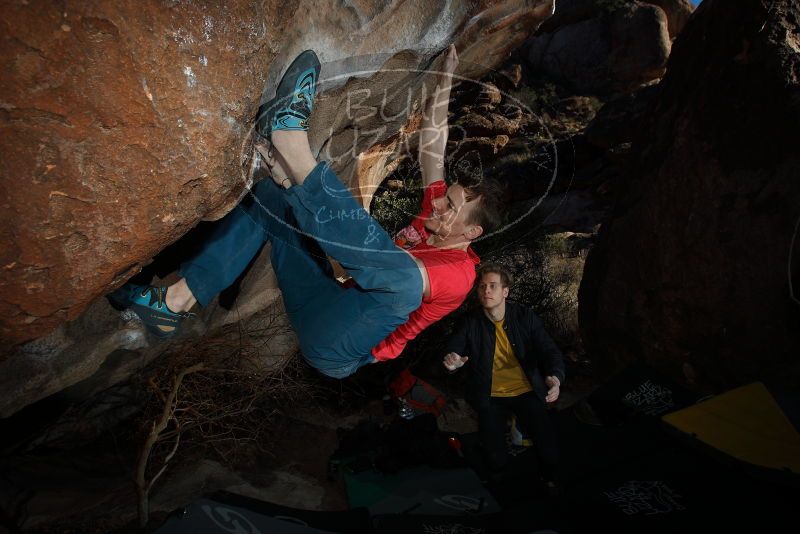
(120, 128)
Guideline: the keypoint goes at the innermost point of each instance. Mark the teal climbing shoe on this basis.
(294, 99)
(149, 304)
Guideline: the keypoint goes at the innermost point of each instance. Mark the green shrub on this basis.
(395, 209)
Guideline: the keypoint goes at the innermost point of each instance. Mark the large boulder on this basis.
(677, 11)
(697, 270)
(123, 126)
(615, 51)
(572, 11)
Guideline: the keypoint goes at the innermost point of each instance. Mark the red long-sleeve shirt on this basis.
(451, 274)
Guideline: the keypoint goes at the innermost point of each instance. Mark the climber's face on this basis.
(452, 213)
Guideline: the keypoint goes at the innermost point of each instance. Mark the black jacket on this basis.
(534, 348)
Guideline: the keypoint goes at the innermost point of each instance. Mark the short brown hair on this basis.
(467, 171)
(488, 214)
(505, 276)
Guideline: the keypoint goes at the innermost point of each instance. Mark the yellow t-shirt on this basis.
(508, 378)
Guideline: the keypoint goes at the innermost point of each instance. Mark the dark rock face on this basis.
(694, 263)
(617, 124)
(609, 52)
(572, 11)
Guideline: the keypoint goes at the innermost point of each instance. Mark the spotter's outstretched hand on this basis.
(453, 361)
(554, 388)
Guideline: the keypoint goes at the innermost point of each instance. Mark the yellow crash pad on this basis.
(746, 423)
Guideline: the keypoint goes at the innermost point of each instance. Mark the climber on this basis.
(399, 290)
